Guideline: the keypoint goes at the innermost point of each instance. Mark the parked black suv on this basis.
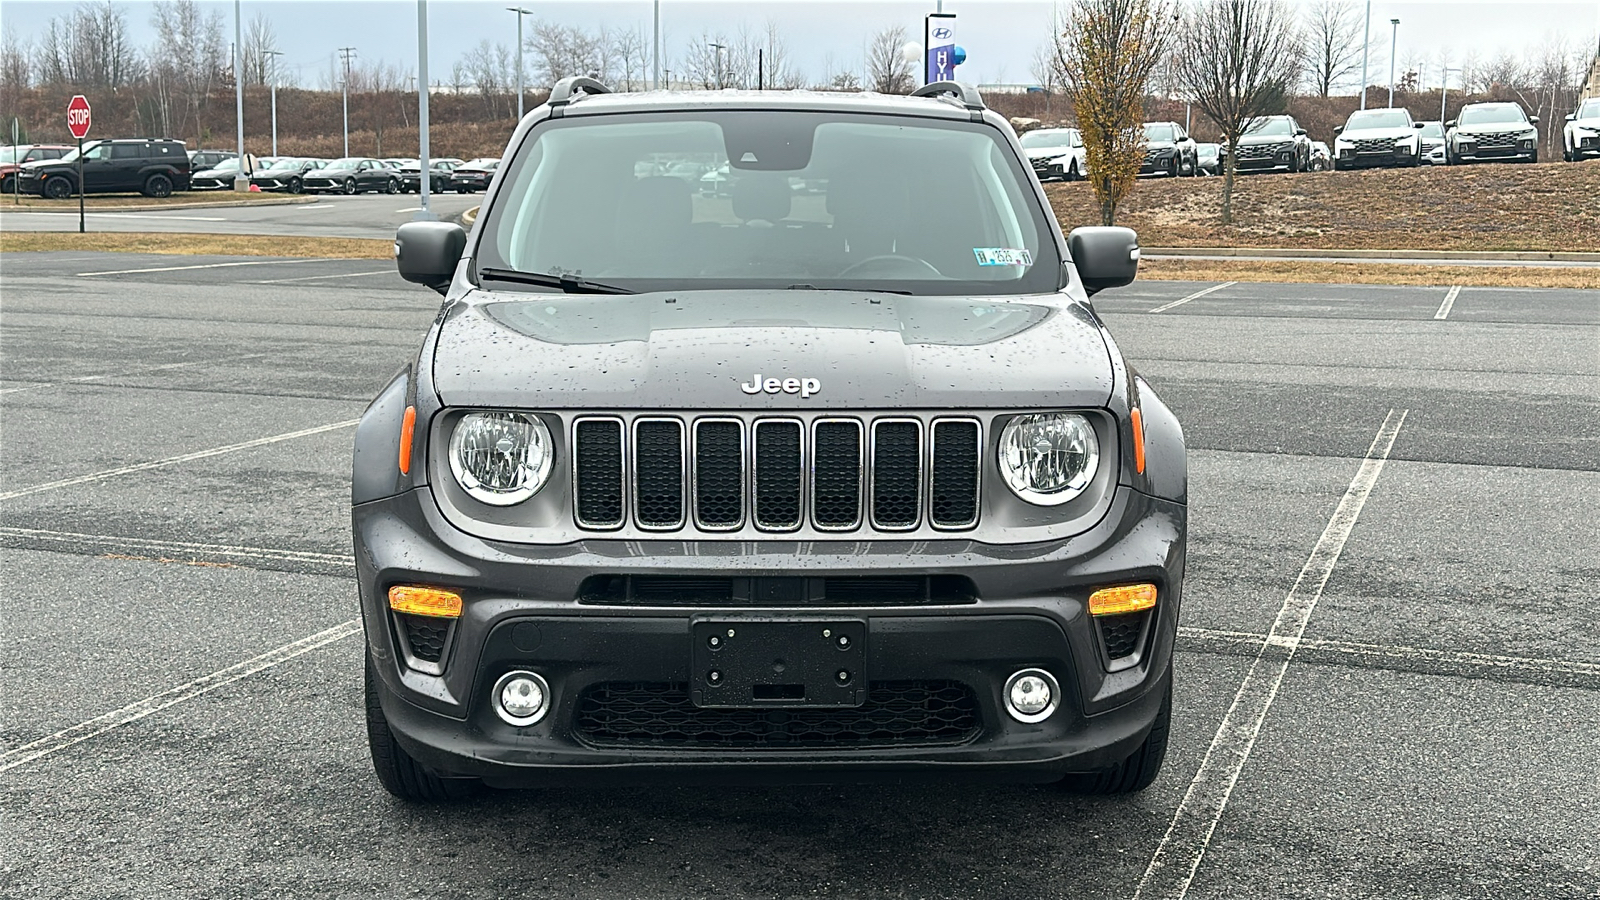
(825, 484)
(153, 168)
(1272, 143)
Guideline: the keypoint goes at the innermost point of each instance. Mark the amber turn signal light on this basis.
(408, 426)
(425, 601)
(1126, 598)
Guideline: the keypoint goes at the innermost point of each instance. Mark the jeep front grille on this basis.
(775, 474)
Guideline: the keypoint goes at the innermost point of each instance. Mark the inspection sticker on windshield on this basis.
(1003, 256)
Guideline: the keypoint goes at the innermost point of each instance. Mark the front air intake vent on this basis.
(836, 474)
(658, 491)
(896, 474)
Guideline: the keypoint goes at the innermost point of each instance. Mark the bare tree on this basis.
(188, 58)
(561, 51)
(708, 62)
(1106, 53)
(89, 48)
(781, 72)
(836, 77)
(1237, 59)
(888, 71)
(490, 70)
(259, 51)
(1332, 41)
(632, 55)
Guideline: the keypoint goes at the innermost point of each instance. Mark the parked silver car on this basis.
(1492, 131)
(1432, 143)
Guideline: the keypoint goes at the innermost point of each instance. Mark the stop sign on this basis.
(78, 116)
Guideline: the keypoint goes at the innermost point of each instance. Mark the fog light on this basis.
(521, 698)
(1032, 695)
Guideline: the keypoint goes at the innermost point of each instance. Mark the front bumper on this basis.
(521, 612)
(1349, 158)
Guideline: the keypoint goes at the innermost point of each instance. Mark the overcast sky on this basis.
(1000, 36)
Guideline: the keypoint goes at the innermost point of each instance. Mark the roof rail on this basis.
(574, 87)
(965, 93)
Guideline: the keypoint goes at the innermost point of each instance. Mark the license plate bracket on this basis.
(772, 662)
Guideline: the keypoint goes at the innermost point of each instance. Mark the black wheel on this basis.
(1173, 172)
(158, 186)
(399, 774)
(1139, 770)
(349, 186)
(1072, 171)
(9, 185)
(58, 188)
(392, 187)
(295, 186)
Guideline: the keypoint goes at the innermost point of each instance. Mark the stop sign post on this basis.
(78, 124)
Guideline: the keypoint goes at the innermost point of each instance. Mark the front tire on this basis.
(9, 185)
(295, 186)
(1140, 769)
(392, 187)
(399, 774)
(58, 188)
(349, 187)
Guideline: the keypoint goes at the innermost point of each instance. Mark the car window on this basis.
(1047, 137)
(853, 201)
(1589, 110)
(127, 151)
(99, 151)
(1378, 118)
(1507, 114)
(1432, 129)
(1274, 126)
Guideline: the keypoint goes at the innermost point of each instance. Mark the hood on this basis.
(694, 351)
(1372, 134)
(1253, 140)
(1047, 152)
(1496, 128)
(1160, 145)
(217, 173)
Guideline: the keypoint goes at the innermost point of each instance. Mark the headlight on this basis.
(1048, 458)
(500, 458)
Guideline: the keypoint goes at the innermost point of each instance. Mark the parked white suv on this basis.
(1378, 137)
(1581, 136)
(1491, 131)
(1056, 153)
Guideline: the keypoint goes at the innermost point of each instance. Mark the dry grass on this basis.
(1498, 206)
(1367, 273)
(117, 201)
(199, 244)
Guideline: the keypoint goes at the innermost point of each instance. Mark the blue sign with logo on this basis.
(940, 55)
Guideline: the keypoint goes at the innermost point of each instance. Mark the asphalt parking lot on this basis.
(327, 215)
(1397, 485)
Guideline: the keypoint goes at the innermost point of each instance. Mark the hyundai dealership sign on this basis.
(941, 43)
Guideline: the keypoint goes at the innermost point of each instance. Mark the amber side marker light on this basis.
(408, 425)
(1138, 440)
(1124, 599)
(425, 601)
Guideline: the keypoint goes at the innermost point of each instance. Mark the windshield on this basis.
(286, 164)
(72, 155)
(856, 202)
(1207, 149)
(1499, 114)
(1432, 129)
(1154, 133)
(1273, 126)
(1050, 137)
(1378, 118)
(10, 154)
(227, 165)
(1589, 110)
(349, 162)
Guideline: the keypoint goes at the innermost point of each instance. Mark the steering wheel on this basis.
(878, 261)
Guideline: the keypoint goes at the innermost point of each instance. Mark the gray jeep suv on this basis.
(826, 484)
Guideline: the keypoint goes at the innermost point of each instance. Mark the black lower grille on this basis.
(598, 473)
(896, 474)
(836, 475)
(660, 714)
(955, 474)
(659, 470)
(776, 591)
(719, 474)
(425, 636)
(777, 475)
(1121, 633)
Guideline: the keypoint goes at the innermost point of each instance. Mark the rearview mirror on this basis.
(427, 252)
(1105, 257)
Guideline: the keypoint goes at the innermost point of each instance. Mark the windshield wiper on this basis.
(571, 284)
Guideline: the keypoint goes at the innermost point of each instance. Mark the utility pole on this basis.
(425, 173)
(347, 54)
(761, 69)
(520, 13)
(1366, 50)
(719, 48)
(1393, 37)
(1444, 91)
(241, 180)
(655, 48)
(273, 55)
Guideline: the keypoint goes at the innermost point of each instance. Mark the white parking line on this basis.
(320, 277)
(1171, 870)
(115, 215)
(133, 712)
(115, 542)
(1194, 296)
(158, 463)
(1449, 301)
(226, 265)
(143, 371)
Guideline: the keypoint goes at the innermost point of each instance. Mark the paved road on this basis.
(361, 216)
(1432, 735)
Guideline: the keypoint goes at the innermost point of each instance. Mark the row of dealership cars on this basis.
(1482, 132)
(156, 168)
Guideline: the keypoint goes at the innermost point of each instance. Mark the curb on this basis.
(1291, 252)
(150, 207)
(470, 217)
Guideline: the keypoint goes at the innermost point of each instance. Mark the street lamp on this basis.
(1393, 37)
(425, 166)
(1366, 50)
(273, 55)
(348, 53)
(520, 13)
(241, 181)
(1444, 90)
(719, 48)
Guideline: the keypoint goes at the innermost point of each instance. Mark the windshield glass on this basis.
(1273, 126)
(72, 155)
(227, 165)
(1206, 149)
(1433, 129)
(10, 154)
(349, 162)
(1378, 118)
(1049, 137)
(1589, 110)
(809, 200)
(286, 164)
(1158, 133)
(1498, 114)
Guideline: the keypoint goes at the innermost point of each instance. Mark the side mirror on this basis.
(1572, 117)
(1105, 257)
(1450, 124)
(1338, 128)
(1418, 124)
(427, 252)
(1301, 132)
(1533, 120)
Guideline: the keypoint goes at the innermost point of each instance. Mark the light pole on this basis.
(425, 173)
(520, 13)
(273, 55)
(1444, 91)
(1366, 50)
(241, 180)
(1394, 36)
(348, 53)
(719, 48)
(655, 49)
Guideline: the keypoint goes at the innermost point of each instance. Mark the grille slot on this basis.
(896, 473)
(661, 714)
(658, 488)
(426, 636)
(778, 475)
(836, 474)
(719, 474)
(776, 591)
(597, 472)
(1122, 633)
(954, 500)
